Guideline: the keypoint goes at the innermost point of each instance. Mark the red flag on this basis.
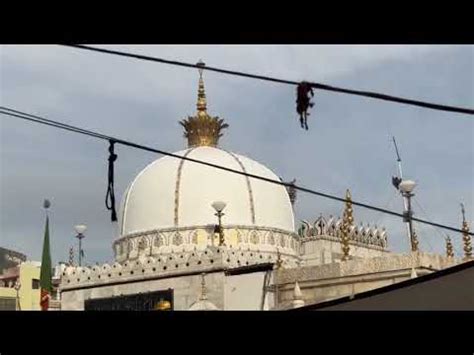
(44, 300)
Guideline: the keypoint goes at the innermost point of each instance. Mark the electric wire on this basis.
(41, 120)
(456, 250)
(320, 86)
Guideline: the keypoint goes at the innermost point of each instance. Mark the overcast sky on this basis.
(348, 144)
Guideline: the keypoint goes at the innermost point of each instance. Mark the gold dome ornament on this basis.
(163, 305)
(347, 222)
(202, 129)
(414, 242)
(449, 248)
(465, 236)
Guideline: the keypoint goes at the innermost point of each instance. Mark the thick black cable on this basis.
(319, 86)
(57, 124)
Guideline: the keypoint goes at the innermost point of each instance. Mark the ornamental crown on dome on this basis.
(202, 129)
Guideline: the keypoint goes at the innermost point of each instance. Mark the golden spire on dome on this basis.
(201, 102)
(202, 129)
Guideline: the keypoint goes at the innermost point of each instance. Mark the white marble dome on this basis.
(172, 192)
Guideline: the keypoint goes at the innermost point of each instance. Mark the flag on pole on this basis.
(46, 283)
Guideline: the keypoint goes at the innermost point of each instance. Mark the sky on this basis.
(348, 144)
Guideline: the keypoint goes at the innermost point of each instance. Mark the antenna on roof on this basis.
(396, 180)
(406, 189)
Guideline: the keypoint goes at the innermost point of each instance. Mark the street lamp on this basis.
(80, 229)
(406, 189)
(219, 207)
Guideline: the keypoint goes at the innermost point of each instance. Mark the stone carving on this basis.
(271, 239)
(177, 239)
(173, 263)
(142, 244)
(158, 241)
(366, 235)
(166, 240)
(130, 246)
(254, 238)
(194, 238)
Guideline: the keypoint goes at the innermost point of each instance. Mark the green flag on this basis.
(46, 271)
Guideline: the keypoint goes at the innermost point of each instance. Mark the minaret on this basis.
(202, 129)
(347, 221)
(466, 237)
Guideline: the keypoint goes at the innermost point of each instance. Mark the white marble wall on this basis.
(320, 283)
(246, 292)
(322, 251)
(186, 291)
(227, 292)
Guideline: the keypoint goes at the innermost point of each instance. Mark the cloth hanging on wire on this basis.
(303, 103)
(110, 197)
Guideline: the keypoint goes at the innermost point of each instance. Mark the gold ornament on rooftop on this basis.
(347, 222)
(202, 129)
(449, 248)
(465, 236)
(414, 242)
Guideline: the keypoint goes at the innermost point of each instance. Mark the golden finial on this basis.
(465, 235)
(201, 102)
(202, 129)
(449, 248)
(414, 242)
(347, 222)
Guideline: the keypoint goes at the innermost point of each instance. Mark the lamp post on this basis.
(219, 207)
(406, 188)
(80, 229)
